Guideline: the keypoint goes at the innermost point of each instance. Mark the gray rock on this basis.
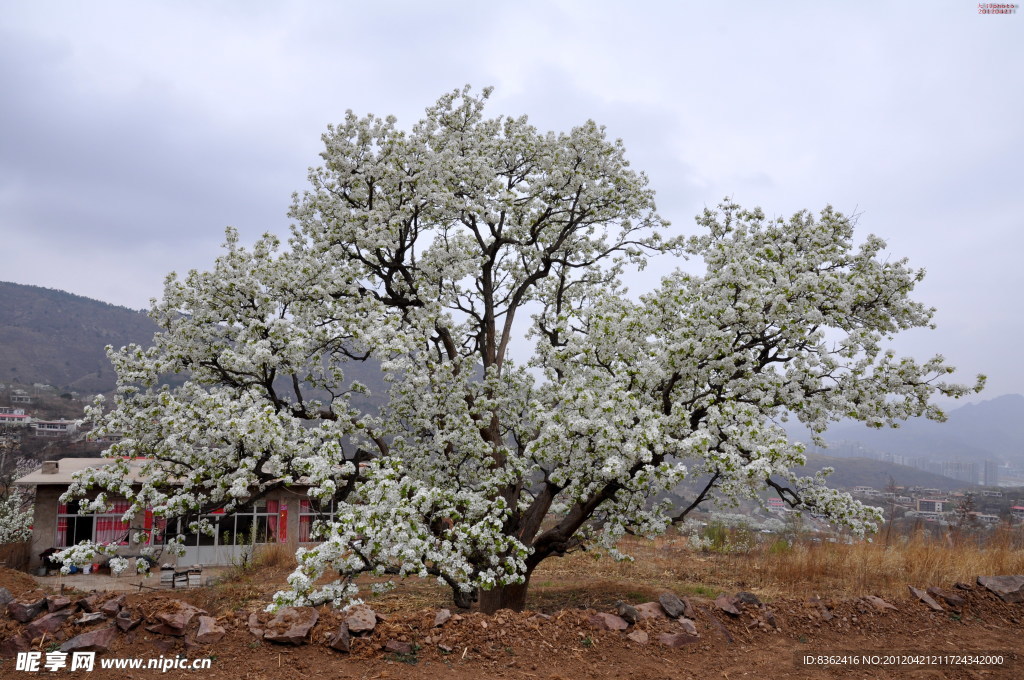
(727, 605)
(209, 631)
(748, 598)
(672, 605)
(90, 603)
(125, 621)
(255, 627)
(291, 626)
(639, 636)
(627, 611)
(94, 641)
(361, 619)
(47, 624)
(93, 617)
(926, 598)
(1008, 588)
(175, 619)
(951, 599)
(24, 612)
(879, 604)
(5, 596)
(341, 641)
(112, 606)
(398, 647)
(57, 602)
(677, 639)
(689, 627)
(603, 621)
(442, 617)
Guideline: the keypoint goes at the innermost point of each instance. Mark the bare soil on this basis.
(556, 641)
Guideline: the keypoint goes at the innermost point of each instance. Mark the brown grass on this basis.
(801, 568)
(771, 569)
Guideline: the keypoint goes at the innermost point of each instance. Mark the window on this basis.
(73, 528)
(309, 516)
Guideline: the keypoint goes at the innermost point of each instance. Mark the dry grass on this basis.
(802, 568)
(771, 569)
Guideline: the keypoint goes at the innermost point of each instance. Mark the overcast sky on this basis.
(133, 133)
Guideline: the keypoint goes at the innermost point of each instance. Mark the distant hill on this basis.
(989, 430)
(49, 336)
(851, 472)
(57, 338)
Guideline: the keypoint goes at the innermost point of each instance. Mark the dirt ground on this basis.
(557, 641)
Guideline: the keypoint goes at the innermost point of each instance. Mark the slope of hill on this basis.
(49, 336)
(992, 429)
(57, 338)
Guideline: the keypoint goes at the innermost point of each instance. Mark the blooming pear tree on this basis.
(429, 252)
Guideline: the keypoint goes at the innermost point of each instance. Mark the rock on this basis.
(209, 631)
(689, 627)
(722, 629)
(94, 617)
(174, 619)
(926, 598)
(951, 599)
(442, 618)
(255, 627)
(398, 647)
(291, 626)
(727, 605)
(1008, 588)
(826, 613)
(603, 621)
(57, 602)
(745, 597)
(672, 605)
(960, 585)
(342, 641)
(112, 606)
(47, 624)
(627, 611)
(361, 619)
(94, 641)
(769, 619)
(879, 604)
(677, 639)
(25, 611)
(125, 621)
(638, 636)
(89, 603)
(650, 610)
(5, 596)
(688, 611)
(10, 647)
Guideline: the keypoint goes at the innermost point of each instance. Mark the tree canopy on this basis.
(430, 252)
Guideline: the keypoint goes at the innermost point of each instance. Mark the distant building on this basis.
(1017, 512)
(933, 505)
(21, 397)
(13, 416)
(54, 428)
(991, 475)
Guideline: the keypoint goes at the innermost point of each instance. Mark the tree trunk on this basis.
(505, 597)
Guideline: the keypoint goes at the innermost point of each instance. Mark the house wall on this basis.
(44, 526)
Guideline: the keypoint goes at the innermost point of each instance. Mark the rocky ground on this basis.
(731, 636)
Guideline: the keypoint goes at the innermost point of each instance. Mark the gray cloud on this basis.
(134, 133)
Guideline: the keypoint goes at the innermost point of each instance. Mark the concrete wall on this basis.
(44, 527)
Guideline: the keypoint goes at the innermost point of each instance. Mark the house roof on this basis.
(67, 467)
